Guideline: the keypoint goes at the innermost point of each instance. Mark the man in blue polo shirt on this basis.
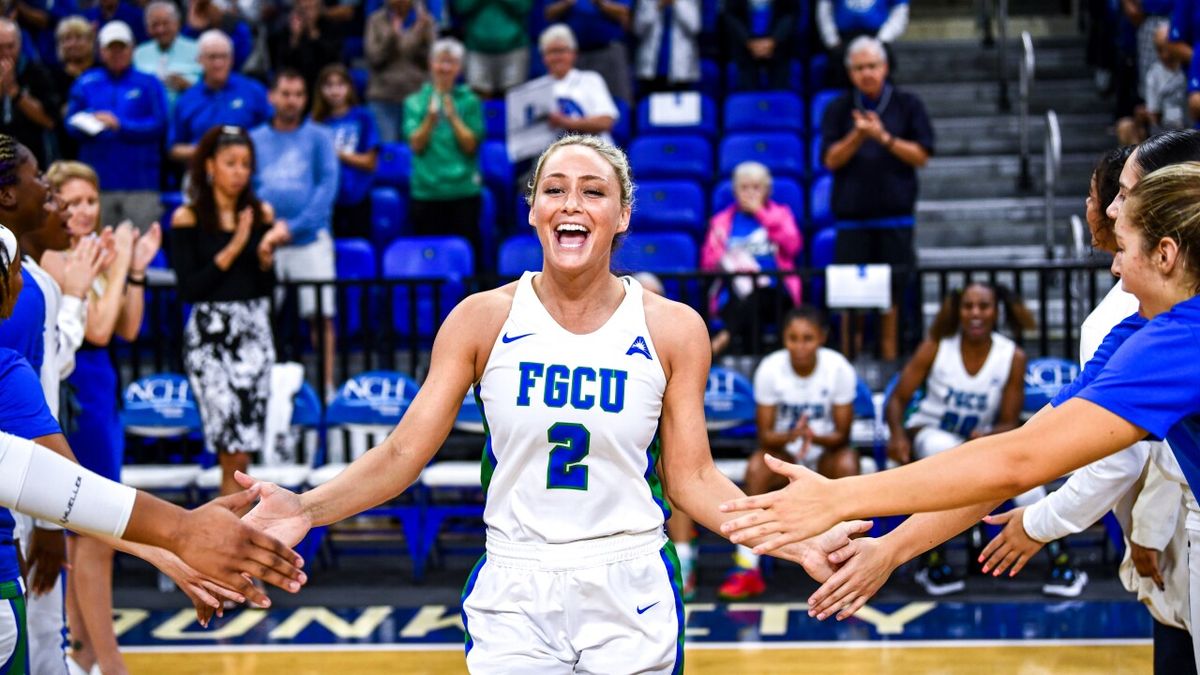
(119, 116)
(220, 97)
(873, 139)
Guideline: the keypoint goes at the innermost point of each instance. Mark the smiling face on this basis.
(977, 312)
(577, 210)
(83, 204)
(559, 58)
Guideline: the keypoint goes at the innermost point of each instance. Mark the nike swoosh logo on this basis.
(506, 339)
(642, 610)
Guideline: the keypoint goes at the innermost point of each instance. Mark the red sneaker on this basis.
(742, 584)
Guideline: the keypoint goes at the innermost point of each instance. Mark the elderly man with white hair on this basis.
(167, 55)
(27, 97)
(220, 97)
(443, 122)
(583, 102)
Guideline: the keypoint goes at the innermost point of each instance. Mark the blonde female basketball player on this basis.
(586, 384)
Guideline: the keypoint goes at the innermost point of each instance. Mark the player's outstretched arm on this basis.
(987, 469)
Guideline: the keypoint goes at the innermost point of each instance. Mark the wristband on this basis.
(136, 281)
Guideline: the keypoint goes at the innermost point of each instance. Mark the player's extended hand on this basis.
(216, 542)
(795, 513)
(279, 514)
(864, 566)
(1013, 546)
(47, 558)
(1146, 560)
(814, 554)
(206, 594)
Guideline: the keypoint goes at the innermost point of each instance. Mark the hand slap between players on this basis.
(795, 513)
(865, 564)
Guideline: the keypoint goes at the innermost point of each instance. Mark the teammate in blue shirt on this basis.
(1147, 387)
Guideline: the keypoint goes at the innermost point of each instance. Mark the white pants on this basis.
(310, 262)
(930, 441)
(606, 606)
(45, 619)
(12, 634)
(1193, 552)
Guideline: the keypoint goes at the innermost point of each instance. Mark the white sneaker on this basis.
(1065, 582)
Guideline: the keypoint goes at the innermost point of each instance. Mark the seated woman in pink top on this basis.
(754, 234)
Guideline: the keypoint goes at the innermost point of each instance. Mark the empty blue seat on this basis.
(377, 398)
(669, 206)
(733, 78)
(1043, 378)
(518, 254)
(821, 201)
(389, 215)
(446, 258)
(622, 130)
(815, 160)
(783, 190)
(822, 247)
(394, 166)
(780, 152)
(820, 101)
(706, 126)
(159, 405)
(710, 77)
(306, 407)
(764, 111)
(355, 260)
(656, 252)
(495, 119)
(488, 230)
(496, 167)
(672, 157)
(818, 66)
(728, 399)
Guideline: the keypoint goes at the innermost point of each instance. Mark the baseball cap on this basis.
(116, 31)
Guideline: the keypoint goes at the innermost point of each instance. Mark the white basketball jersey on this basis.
(832, 382)
(572, 424)
(958, 402)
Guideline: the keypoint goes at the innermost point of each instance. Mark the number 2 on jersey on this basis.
(566, 470)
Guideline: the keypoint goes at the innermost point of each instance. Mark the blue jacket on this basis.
(126, 158)
(297, 174)
(242, 102)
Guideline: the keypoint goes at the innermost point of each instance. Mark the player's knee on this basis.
(758, 475)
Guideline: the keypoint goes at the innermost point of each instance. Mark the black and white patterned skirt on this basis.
(228, 353)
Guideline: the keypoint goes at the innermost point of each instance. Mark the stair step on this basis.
(1000, 134)
(1074, 96)
(996, 176)
(966, 61)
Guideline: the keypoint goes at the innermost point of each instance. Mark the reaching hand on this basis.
(47, 559)
(1146, 561)
(814, 554)
(865, 565)
(218, 544)
(795, 513)
(1013, 546)
(279, 514)
(146, 248)
(206, 594)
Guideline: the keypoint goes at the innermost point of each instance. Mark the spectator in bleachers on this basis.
(297, 172)
(169, 56)
(804, 402)
(106, 11)
(223, 243)
(205, 15)
(114, 308)
(840, 21)
(76, 55)
(397, 50)
(873, 139)
(131, 108)
(1147, 16)
(220, 97)
(754, 234)
(29, 102)
(357, 144)
(600, 28)
(760, 36)
(497, 40)
(668, 51)
(1165, 92)
(583, 100)
(305, 41)
(443, 123)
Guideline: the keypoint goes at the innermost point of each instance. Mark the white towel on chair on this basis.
(279, 448)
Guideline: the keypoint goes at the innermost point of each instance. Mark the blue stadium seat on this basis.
(764, 111)
(170, 201)
(781, 152)
(447, 258)
(728, 399)
(815, 161)
(622, 131)
(352, 50)
(820, 101)
(821, 201)
(656, 252)
(160, 405)
(672, 157)
(359, 77)
(733, 84)
(518, 254)
(818, 66)
(495, 119)
(489, 234)
(706, 127)
(495, 166)
(1043, 378)
(389, 216)
(377, 398)
(670, 206)
(306, 407)
(710, 76)
(394, 166)
(822, 247)
(355, 260)
(783, 190)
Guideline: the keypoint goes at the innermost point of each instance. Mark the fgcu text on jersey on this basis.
(582, 387)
